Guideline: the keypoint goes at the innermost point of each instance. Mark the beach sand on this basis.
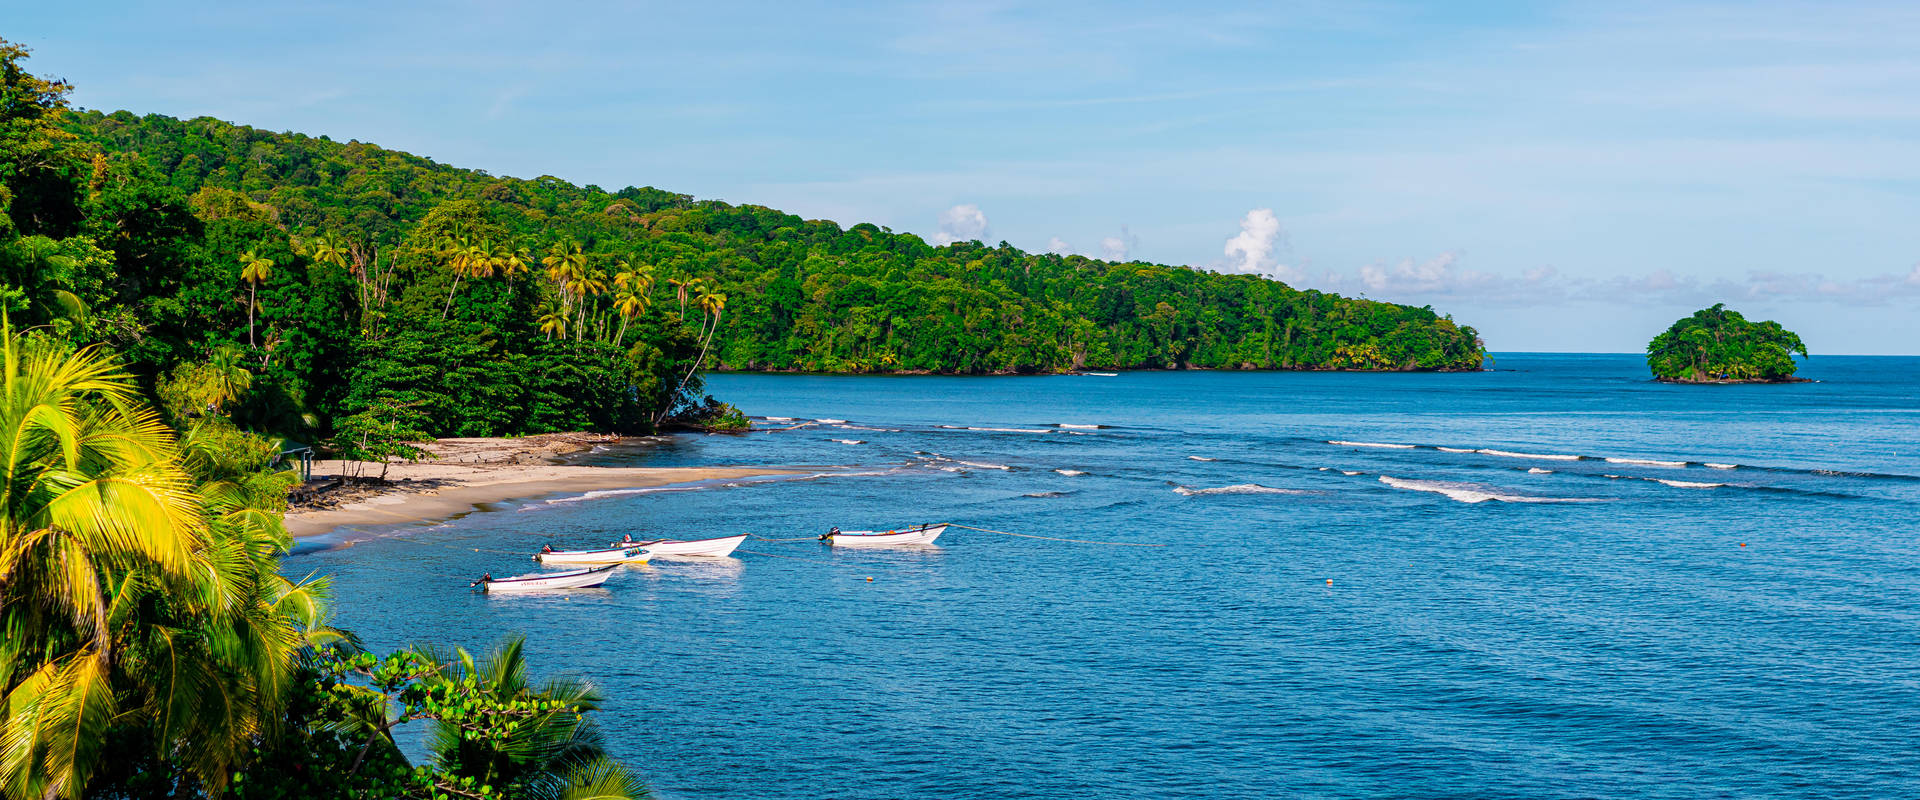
(473, 472)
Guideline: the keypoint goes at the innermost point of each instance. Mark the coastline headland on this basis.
(468, 473)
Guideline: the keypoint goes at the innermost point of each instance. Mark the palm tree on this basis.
(565, 263)
(253, 270)
(590, 283)
(138, 581)
(554, 753)
(713, 304)
(628, 304)
(553, 321)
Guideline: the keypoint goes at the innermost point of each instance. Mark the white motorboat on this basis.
(918, 534)
(544, 581)
(688, 548)
(628, 554)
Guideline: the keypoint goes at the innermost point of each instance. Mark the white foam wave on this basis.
(1242, 488)
(1012, 430)
(859, 428)
(1044, 494)
(850, 441)
(1348, 472)
(1646, 462)
(600, 493)
(1069, 472)
(1454, 449)
(831, 421)
(1078, 427)
(983, 466)
(1539, 471)
(778, 419)
(1371, 444)
(1469, 493)
(1722, 466)
(1543, 456)
(1689, 484)
(1202, 458)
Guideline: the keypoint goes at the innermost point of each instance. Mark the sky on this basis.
(1561, 176)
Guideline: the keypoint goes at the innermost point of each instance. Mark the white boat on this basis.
(918, 534)
(1099, 374)
(544, 581)
(628, 554)
(688, 548)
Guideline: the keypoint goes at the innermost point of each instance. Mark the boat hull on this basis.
(920, 535)
(692, 548)
(543, 582)
(622, 555)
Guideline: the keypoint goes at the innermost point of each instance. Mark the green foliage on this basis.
(1718, 344)
(798, 294)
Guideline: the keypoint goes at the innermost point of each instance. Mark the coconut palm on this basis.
(553, 321)
(138, 584)
(590, 283)
(253, 270)
(712, 303)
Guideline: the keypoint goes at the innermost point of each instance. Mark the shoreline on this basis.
(470, 474)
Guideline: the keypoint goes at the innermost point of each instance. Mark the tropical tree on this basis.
(253, 270)
(138, 584)
(552, 321)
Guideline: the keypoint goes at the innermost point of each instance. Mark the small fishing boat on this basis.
(544, 581)
(628, 554)
(918, 534)
(688, 548)
(1097, 374)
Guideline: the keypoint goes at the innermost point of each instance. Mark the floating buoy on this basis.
(1329, 581)
(1743, 544)
(869, 578)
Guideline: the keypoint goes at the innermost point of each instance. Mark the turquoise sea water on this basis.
(1496, 625)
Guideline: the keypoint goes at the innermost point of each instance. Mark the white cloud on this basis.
(1254, 248)
(961, 223)
(1059, 246)
(1117, 248)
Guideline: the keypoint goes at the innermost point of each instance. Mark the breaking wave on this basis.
(1044, 494)
(1069, 472)
(1721, 466)
(1539, 471)
(1242, 488)
(1078, 427)
(980, 465)
(1373, 444)
(1471, 493)
(1542, 456)
(1689, 484)
(1202, 458)
(1454, 449)
(831, 421)
(850, 441)
(1645, 462)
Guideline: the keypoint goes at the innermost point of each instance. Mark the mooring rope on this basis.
(794, 539)
(1057, 539)
(796, 558)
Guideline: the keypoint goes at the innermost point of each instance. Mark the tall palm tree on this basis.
(590, 284)
(628, 303)
(253, 270)
(553, 321)
(138, 582)
(713, 304)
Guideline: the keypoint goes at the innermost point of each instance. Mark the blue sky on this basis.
(1562, 176)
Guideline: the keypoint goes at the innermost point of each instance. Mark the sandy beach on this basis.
(468, 473)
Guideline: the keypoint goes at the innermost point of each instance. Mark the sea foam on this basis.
(1469, 493)
(1542, 456)
(1069, 472)
(1242, 488)
(1371, 444)
(1646, 462)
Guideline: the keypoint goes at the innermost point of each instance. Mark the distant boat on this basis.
(688, 548)
(543, 581)
(918, 534)
(629, 554)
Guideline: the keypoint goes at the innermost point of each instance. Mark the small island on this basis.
(1718, 345)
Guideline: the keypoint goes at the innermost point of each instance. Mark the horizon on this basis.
(1757, 157)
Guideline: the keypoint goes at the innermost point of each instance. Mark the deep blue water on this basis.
(1749, 632)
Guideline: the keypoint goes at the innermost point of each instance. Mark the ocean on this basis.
(1551, 579)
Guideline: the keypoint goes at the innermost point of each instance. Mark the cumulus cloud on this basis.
(1255, 248)
(1116, 248)
(1058, 246)
(961, 223)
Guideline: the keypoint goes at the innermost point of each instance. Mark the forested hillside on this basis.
(807, 294)
(309, 286)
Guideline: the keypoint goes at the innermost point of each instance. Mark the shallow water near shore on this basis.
(1554, 579)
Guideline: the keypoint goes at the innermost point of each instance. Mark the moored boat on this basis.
(543, 581)
(629, 554)
(917, 534)
(688, 548)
